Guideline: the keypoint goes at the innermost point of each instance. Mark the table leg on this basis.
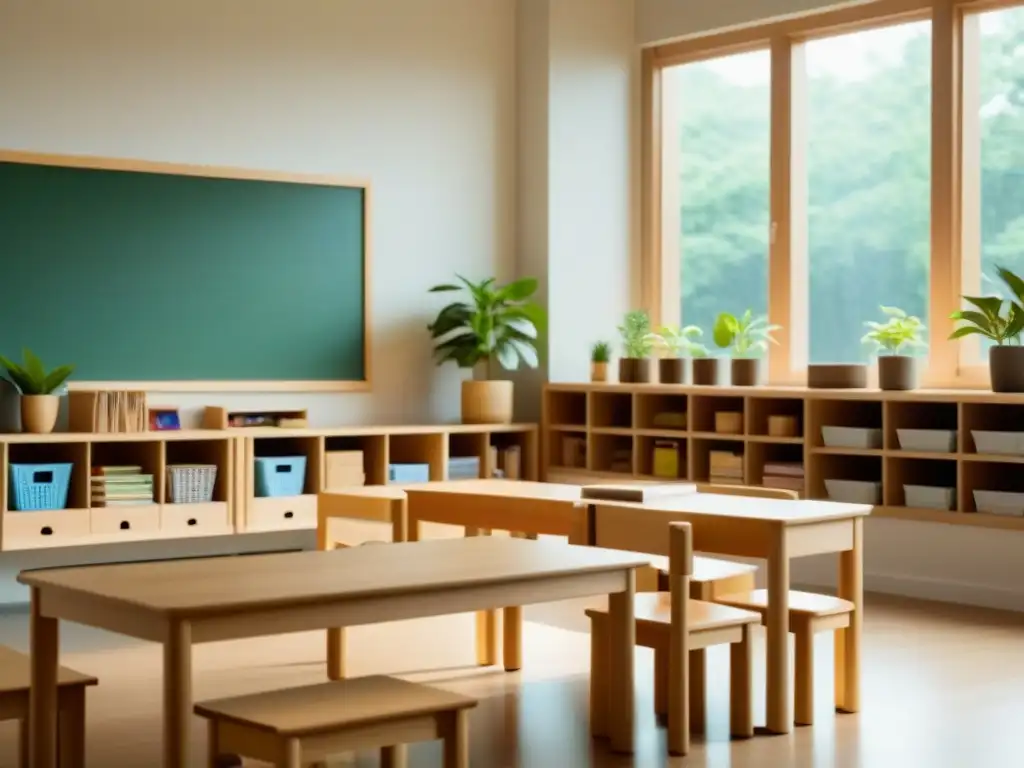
(45, 640)
(335, 635)
(779, 718)
(71, 722)
(848, 641)
(486, 623)
(512, 642)
(177, 694)
(621, 647)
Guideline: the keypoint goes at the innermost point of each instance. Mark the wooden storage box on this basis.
(343, 469)
(783, 426)
(202, 519)
(282, 514)
(27, 530)
(728, 422)
(128, 520)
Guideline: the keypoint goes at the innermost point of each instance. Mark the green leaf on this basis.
(893, 311)
(523, 326)
(445, 287)
(724, 332)
(508, 358)
(526, 352)
(991, 306)
(967, 330)
(56, 378)
(1013, 282)
(519, 290)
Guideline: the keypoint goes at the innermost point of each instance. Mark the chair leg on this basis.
(292, 754)
(393, 756)
(698, 688)
(598, 678)
(456, 740)
(71, 726)
(661, 674)
(804, 675)
(23, 743)
(741, 684)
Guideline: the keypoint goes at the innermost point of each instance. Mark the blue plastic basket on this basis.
(280, 476)
(39, 487)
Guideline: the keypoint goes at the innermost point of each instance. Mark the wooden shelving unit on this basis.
(381, 447)
(610, 431)
(83, 523)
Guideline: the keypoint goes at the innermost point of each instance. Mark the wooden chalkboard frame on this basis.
(221, 172)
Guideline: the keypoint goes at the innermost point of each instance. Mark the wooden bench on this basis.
(809, 613)
(15, 677)
(296, 727)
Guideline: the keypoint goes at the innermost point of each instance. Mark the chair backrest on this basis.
(747, 490)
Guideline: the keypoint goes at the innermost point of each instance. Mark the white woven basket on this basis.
(191, 483)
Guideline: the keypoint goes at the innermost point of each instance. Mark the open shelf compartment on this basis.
(921, 427)
(775, 465)
(662, 412)
(993, 429)
(705, 413)
(780, 417)
(921, 484)
(860, 423)
(719, 461)
(355, 460)
(513, 455)
(112, 514)
(202, 518)
(611, 410)
(53, 527)
(663, 457)
(417, 457)
(566, 409)
(611, 454)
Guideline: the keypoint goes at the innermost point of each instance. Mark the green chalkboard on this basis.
(154, 276)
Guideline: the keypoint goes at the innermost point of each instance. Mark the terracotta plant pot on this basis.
(706, 372)
(897, 372)
(746, 372)
(673, 370)
(1006, 368)
(486, 402)
(39, 413)
(599, 371)
(634, 370)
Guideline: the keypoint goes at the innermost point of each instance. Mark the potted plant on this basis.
(706, 370)
(600, 355)
(677, 345)
(39, 404)
(1002, 321)
(900, 332)
(492, 324)
(748, 338)
(637, 343)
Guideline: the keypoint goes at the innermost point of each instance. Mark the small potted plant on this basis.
(747, 337)
(37, 386)
(1002, 321)
(901, 332)
(600, 356)
(706, 370)
(634, 365)
(494, 324)
(677, 346)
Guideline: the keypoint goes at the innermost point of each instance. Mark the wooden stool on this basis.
(295, 727)
(378, 503)
(809, 613)
(15, 677)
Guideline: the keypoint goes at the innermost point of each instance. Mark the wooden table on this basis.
(775, 530)
(481, 506)
(183, 602)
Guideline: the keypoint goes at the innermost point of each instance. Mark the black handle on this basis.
(283, 468)
(289, 515)
(125, 525)
(43, 476)
(192, 521)
(46, 530)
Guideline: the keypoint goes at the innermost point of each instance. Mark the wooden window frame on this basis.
(955, 188)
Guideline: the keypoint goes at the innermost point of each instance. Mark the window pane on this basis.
(869, 170)
(723, 185)
(1001, 126)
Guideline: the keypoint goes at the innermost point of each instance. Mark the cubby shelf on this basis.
(775, 433)
(510, 450)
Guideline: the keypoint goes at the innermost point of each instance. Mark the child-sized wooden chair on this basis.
(673, 625)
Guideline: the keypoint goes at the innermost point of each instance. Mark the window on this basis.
(993, 155)
(719, 179)
(868, 151)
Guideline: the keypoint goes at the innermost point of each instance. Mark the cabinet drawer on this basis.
(202, 519)
(282, 514)
(108, 521)
(26, 530)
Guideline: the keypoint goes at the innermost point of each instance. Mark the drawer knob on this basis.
(46, 530)
(125, 525)
(289, 515)
(192, 521)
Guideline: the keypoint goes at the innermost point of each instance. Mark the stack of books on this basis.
(787, 475)
(726, 468)
(464, 468)
(121, 487)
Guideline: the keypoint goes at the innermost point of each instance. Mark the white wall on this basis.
(417, 96)
(661, 20)
(930, 561)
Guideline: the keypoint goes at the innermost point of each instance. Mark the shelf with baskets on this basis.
(928, 455)
(81, 489)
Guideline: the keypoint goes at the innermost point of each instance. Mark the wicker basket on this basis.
(191, 483)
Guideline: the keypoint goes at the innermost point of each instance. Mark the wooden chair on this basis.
(295, 727)
(809, 613)
(674, 625)
(15, 677)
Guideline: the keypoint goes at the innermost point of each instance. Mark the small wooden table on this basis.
(481, 506)
(776, 530)
(182, 602)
